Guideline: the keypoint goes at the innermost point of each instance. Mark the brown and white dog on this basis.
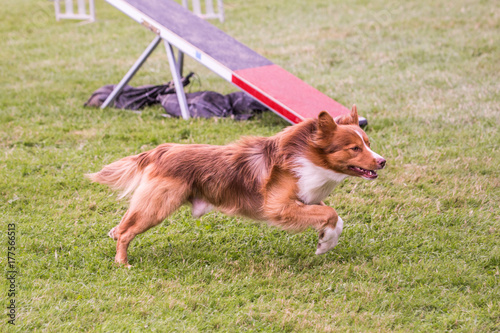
(281, 179)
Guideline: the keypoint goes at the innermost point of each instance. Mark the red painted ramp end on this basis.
(285, 93)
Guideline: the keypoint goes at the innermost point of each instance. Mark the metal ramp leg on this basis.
(179, 88)
(180, 62)
(175, 68)
(119, 87)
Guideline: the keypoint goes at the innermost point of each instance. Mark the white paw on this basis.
(329, 237)
(111, 233)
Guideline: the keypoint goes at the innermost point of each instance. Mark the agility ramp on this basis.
(282, 92)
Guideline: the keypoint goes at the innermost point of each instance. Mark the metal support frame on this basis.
(180, 62)
(179, 88)
(119, 87)
(175, 68)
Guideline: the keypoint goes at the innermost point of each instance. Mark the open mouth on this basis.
(367, 174)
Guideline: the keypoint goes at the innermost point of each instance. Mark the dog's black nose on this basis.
(381, 162)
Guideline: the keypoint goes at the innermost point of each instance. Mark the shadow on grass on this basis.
(274, 249)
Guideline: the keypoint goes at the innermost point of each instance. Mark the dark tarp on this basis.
(207, 104)
(203, 104)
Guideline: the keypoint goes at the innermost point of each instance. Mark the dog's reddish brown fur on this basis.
(255, 177)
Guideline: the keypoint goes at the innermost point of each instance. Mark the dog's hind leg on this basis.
(112, 232)
(151, 203)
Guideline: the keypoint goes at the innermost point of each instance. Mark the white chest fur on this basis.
(315, 183)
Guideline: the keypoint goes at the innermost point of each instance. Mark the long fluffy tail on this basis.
(124, 175)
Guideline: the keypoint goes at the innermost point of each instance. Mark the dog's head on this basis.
(345, 147)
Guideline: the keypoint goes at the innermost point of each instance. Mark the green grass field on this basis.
(420, 250)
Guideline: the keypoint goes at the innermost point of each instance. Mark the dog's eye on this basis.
(356, 148)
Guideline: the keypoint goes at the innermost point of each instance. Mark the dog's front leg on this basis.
(285, 210)
(329, 237)
(296, 216)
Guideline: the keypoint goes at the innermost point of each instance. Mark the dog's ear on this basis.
(326, 125)
(349, 119)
